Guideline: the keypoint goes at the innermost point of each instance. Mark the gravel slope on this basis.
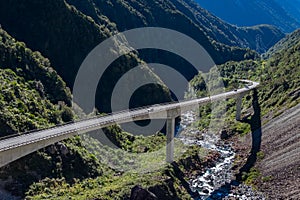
(281, 162)
(281, 145)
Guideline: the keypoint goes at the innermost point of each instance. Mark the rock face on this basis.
(139, 193)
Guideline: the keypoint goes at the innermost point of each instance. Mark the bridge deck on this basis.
(159, 111)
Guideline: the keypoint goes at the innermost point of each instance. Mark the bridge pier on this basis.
(170, 129)
(170, 139)
(239, 101)
(13, 148)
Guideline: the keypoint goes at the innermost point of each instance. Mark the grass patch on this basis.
(251, 177)
(267, 178)
(260, 155)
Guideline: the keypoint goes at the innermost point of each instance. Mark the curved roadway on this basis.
(158, 111)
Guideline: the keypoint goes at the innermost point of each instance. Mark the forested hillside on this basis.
(28, 102)
(30, 89)
(284, 44)
(66, 36)
(184, 16)
(278, 76)
(34, 96)
(42, 46)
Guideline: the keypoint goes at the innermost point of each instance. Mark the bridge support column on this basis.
(239, 107)
(170, 139)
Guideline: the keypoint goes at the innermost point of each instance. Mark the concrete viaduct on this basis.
(16, 147)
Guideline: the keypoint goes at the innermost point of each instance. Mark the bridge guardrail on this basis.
(106, 115)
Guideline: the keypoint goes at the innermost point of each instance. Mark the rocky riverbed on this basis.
(216, 182)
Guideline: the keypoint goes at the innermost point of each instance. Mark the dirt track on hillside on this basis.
(281, 146)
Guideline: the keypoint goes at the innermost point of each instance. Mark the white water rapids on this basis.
(210, 185)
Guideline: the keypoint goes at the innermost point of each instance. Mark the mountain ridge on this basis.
(189, 15)
(284, 44)
(249, 13)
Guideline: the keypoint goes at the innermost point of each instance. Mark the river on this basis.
(217, 182)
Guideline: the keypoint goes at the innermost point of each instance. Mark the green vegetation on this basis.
(280, 83)
(186, 17)
(22, 107)
(136, 154)
(166, 182)
(279, 90)
(285, 43)
(31, 90)
(251, 177)
(35, 96)
(32, 66)
(260, 155)
(66, 36)
(68, 160)
(66, 31)
(134, 144)
(71, 167)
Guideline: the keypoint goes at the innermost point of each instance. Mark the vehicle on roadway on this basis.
(150, 109)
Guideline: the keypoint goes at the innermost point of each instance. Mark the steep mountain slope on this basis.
(41, 29)
(30, 88)
(33, 96)
(283, 14)
(279, 169)
(284, 44)
(280, 84)
(186, 17)
(279, 91)
(62, 169)
(66, 36)
(259, 38)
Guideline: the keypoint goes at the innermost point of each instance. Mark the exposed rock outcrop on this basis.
(139, 193)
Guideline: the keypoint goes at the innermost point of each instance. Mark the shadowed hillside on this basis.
(285, 43)
(66, 36)
(284, 14)
(187, 17)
